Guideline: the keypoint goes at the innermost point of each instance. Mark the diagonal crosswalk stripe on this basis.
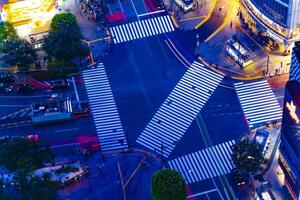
(204, 164)
(141, 29)
(258, 102)
(179, 110)
(106, 117)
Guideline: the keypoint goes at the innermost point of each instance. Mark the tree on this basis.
(37, 188)
(18, 52)
(7, 32)
(62, 20)
(23, 155)
(168, 184)
(65, 42)
(247, 155)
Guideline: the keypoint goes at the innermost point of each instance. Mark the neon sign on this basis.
(292, 109)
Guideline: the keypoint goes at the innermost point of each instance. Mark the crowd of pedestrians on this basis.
(94, 9)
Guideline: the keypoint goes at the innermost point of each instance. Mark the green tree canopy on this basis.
(247, 155)
(65, 43)
(38, 188)
(7, 31)
(60, 21)
(23, 155)
(18, 52)
(168, 184)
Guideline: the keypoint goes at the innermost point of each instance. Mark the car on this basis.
(4, 138)
(82, 112)
(60, 84)
(6, 77)
(160, 4)
(5, 87)
(56, 95)
(238, 178)
(24, 87)
(34, 138)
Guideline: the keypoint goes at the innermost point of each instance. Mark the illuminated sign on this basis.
(292, 111)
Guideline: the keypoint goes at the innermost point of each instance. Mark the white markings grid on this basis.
(104, 109)
(258, 102)
(141, 29)
(180, 109)
(205, 164)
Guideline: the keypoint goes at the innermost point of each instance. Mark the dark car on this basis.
(82, 111)
(238, 178)
(60, 84)
(6, 77)
(5, 87)
(160, 4)
(24, 88)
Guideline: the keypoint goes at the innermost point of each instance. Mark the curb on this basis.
(224, 74)
(212, 7)
(174, 21)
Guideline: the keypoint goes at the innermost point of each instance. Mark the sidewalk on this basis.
(213, 54)
(187, 21)
(276, 181)
(104, 180)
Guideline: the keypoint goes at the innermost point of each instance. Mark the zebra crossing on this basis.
(104, 109)
(141, 29)
(258, 102)
(205, 164)
(179, 110)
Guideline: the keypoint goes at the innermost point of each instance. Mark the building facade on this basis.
(289, 157)
(295, 63)
(278, 19)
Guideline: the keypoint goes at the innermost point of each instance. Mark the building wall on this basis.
(295, 68)
(276, 10)
(294, 14)
(289, 159)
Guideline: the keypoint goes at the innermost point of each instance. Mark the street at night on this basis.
(149, 99)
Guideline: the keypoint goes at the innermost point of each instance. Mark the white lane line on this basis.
(202, 193)
(151, 13)
(66, 130)
(135, 10)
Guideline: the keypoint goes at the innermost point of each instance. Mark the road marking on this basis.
(104, 109)
(226, 20)
(150, 13)
(202, 193)
(178, 55)
(141, 29)
(66, 130)
(214, 161)
(212, 7)
(280, 97)
(179, 110)
(192, 18)
(7, 105)
(258, 102)
(135, 10)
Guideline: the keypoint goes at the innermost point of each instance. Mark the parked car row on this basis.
(7, 87)
(32, 137)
